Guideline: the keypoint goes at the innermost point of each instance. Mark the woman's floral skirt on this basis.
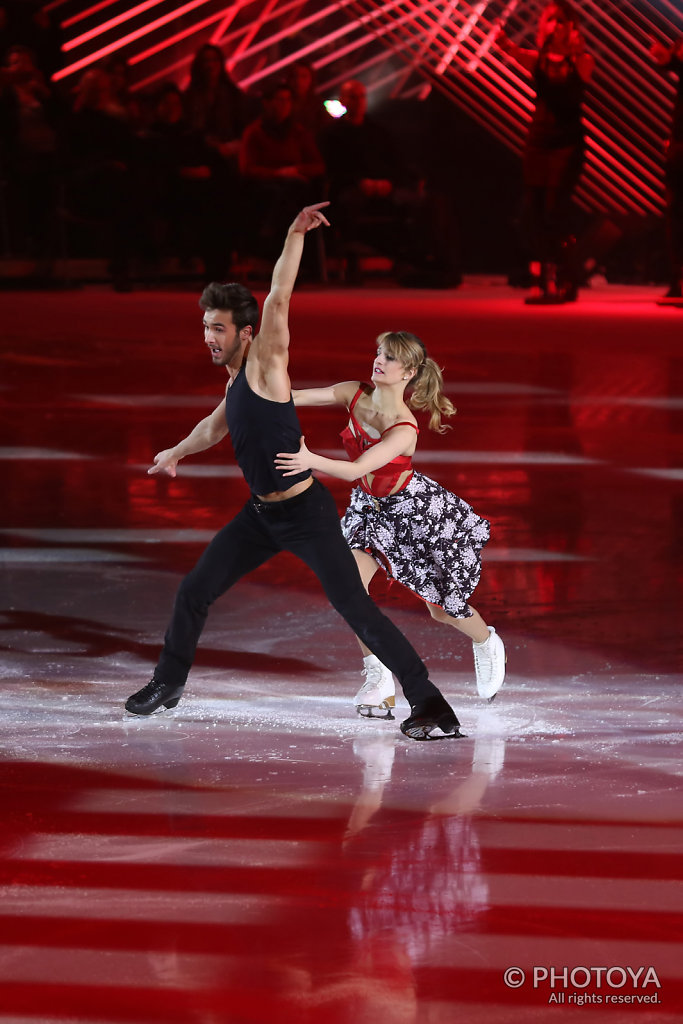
(425, 537)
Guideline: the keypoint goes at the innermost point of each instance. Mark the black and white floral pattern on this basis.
(425, 537)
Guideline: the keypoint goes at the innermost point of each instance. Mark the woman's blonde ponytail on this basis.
(427, 384)
(428, 395)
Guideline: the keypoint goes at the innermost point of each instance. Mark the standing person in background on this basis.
(282, 169)
(554, 152)
(400, 520)
(308, 108)
(102, 152)
(181, 171)
(670, 58)
(215, 106)
(29, 123)
(122, 95)
(217, 110)
(382, 198)
(290, 512)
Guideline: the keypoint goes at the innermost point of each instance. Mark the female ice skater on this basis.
(399, 520)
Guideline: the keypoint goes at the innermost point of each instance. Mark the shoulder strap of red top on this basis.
(401, 423)
(356, 397)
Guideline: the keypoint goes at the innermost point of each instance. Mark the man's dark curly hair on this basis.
(232, 297)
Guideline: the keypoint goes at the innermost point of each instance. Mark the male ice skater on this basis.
(295, 513)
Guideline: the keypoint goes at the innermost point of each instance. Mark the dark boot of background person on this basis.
(544, 289)
(535, 296)
(569, 271)
(674, 294)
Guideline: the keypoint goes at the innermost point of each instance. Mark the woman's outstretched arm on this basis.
(373, 459)
(337, 394)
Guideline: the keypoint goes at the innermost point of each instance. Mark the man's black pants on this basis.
(308, 526)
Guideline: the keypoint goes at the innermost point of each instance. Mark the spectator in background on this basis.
(308, 108)
(378, 199)
(554, 153)
(670, 58)
(182, 177)
(362, 157)
(28, 128)
(102, 150)
(281, 164)
(215, 106)
(123, 101)
(218, 110)
(33, 24)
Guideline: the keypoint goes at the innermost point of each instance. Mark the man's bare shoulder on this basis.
(267, 372)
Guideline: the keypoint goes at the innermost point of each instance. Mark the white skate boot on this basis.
(377, 695)
(489, 665)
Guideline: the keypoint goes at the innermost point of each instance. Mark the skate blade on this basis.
(382, 711)
(148, 714)
(490, 700)
(431, 733)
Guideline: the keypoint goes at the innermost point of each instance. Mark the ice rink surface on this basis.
(261, 853)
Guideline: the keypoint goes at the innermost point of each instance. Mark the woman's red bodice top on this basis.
(356, 440)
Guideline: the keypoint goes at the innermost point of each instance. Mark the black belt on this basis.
(278, 507)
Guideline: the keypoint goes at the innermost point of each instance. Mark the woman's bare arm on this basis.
(336, 394)
(370, 461)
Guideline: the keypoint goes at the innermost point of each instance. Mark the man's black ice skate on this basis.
(432, 719)
(151, 697)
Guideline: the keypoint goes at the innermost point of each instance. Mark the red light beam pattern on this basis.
(413, 46)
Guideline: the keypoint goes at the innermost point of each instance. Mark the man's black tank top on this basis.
(259, 429)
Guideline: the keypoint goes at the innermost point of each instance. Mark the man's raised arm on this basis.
(270, 347)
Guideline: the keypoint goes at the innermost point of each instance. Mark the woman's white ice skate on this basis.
(377, 695)
(489, 665)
